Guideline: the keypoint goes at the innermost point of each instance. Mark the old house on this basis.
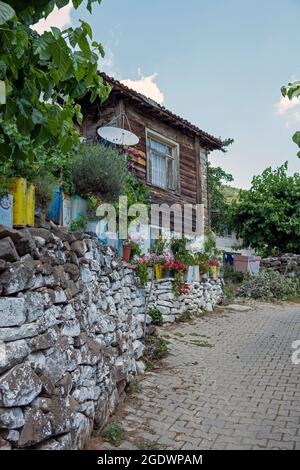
(172, 154)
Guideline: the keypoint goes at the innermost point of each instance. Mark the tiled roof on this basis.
(162, 112)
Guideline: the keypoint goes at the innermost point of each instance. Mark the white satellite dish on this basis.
(118, 136)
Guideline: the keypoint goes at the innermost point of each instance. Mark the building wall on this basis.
(192, 167)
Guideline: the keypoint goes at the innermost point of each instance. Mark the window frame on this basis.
(156, 136)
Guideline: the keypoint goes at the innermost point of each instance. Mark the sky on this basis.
(218, 63)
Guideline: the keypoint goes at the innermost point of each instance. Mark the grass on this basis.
(114, 433)
(148, 446)
(134, 387)
(201, 344)
(186, 316)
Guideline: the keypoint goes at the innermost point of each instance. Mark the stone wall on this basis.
(202, 297)
(70, 329)
(286, 264)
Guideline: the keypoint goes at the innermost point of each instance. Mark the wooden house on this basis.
(172, 154)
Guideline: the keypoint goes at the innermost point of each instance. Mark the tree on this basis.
(267, 217)
(292, 90)
(217, 200)
(45, 76)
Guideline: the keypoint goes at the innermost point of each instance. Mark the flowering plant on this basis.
(184, 288)
(213, 262)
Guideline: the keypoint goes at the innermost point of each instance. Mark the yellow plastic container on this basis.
(30, 205)
(158, 271)
(18, 189)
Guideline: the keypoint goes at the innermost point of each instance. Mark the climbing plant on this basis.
(44, 76)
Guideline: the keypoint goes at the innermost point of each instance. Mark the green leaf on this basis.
(37, 117)
(6, 12)
(84, 46)
(296, 138)
(41, 46)
(87, 29)
(56, 32)
(60, 56)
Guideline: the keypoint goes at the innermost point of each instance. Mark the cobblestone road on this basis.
(229, 383)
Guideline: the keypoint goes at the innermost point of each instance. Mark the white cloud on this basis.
(285, 105)
(60, 18)
(146, 86)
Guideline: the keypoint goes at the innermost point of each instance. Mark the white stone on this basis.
(12, 311)
(28, 330)
(19, 386)
(11, 418)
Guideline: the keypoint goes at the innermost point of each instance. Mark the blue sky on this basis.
(219, 63)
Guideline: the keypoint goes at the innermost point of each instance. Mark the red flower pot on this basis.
(126, 252)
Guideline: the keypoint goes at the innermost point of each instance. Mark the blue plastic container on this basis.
(6, 210)
(55, 209)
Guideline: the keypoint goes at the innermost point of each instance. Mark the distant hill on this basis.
(230, 193)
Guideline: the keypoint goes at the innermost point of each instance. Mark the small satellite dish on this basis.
(118, 136)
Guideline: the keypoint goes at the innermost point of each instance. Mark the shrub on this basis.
(270, 285)
(156, 316)
(100, 171)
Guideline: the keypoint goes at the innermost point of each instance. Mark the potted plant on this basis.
(179, 270)
(213, 268)
(201, 261)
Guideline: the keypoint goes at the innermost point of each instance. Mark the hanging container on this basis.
(54, 211)
(30, 205)
(18, 189)
(6, 210)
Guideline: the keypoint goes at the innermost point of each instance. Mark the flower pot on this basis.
(213, 271)
(30, 205)
(190, 274)
(78, 207)
(196, 274)
(167, 273)
(66, 211)
(158, 271)
(18, 189)
(204, 276)
(126, 253)
(6, 210)
(54, 211)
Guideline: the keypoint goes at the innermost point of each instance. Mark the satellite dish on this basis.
(118, 136)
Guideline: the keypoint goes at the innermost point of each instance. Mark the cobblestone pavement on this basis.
(229, 383)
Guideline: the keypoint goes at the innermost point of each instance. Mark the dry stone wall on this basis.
(71, 318)
(285, 264)
(202, 297)
(71, 325)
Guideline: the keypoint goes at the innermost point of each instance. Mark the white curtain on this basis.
(158, 170)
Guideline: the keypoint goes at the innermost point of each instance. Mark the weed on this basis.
(156, 316)
(114, 433)
(134, 387)
(148, 446)
(186, 316)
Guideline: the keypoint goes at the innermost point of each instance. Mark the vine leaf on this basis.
(6, 12)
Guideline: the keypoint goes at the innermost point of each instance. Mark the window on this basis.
(162, 161)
